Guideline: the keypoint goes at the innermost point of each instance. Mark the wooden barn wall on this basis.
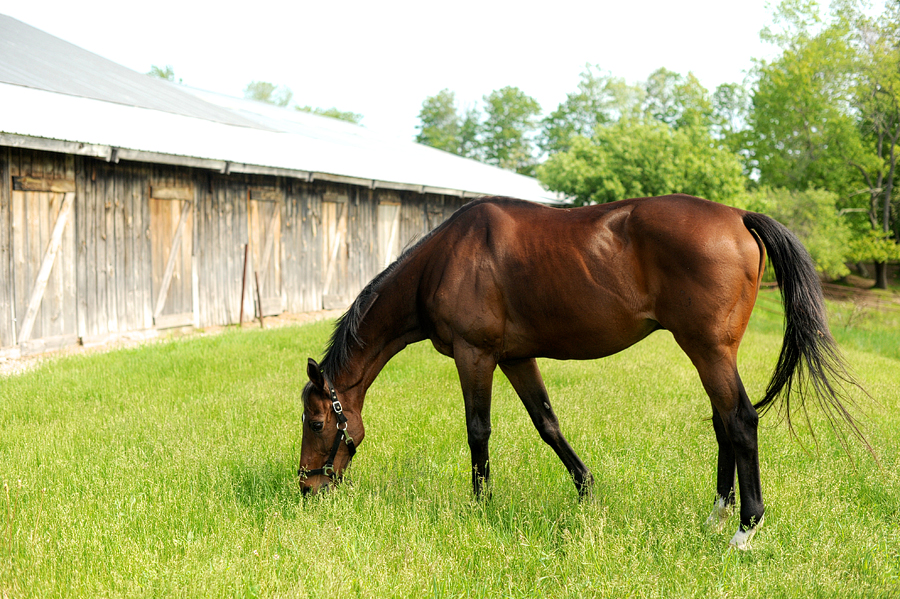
(111, 265)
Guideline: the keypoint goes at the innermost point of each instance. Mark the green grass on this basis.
(168, 470)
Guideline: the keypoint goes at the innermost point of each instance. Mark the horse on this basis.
(504, 281)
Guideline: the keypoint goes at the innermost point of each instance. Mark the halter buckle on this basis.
(328, 470)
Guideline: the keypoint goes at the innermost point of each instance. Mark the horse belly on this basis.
(581, 326)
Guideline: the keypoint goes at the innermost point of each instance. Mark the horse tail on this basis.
(810, 359)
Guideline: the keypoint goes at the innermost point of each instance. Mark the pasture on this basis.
(169, 470)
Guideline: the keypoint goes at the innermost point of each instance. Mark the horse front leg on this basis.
(476, 376)
(526, 380)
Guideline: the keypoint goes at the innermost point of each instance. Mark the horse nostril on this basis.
(317, 426)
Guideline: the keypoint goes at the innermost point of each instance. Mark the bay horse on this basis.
(504, 281)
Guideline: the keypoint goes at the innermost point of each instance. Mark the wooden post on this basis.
(259, 300)
(244, 283)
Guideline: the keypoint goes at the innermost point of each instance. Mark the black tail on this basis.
(809, 359)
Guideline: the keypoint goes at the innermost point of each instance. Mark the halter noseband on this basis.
(328, 468)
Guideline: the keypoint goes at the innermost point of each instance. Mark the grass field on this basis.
(169, 470)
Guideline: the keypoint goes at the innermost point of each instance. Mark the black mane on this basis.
(346, 329)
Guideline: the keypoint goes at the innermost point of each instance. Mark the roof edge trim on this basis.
(113, 154)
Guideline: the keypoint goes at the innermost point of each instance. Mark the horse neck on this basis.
(390, 324)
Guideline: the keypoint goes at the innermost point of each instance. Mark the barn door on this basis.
(335, 252)
(43, 239)
(388, 233)
(171, 245)
(264, 220)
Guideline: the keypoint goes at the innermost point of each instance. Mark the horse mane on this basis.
(346, 330)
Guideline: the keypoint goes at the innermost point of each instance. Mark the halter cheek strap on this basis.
(342, 435)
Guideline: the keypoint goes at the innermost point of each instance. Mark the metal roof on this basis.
(56, 96)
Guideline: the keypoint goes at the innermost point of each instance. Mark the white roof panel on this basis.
(136, 113)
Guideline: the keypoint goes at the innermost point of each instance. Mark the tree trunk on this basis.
(881, 275)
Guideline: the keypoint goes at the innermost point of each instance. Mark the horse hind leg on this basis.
(735, 421)
(725, 472)
(528, 384)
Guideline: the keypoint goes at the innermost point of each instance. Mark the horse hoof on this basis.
(719, 516)
(741, 539)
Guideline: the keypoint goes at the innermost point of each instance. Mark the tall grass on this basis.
(168, 470)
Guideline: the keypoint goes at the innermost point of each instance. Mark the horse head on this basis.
(332, 430)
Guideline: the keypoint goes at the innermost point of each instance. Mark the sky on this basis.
(382, 58)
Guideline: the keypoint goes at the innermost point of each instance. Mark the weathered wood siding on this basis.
(150, 246)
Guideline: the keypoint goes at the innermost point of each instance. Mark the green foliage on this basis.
(599, 99)
(813, 217)
(167, 73)
(511, 120)
(873, 246)
(632, 158)
(169, 470)
(441, 126)
(802, 133)
(439, 123)
(503, 136)
(679, 101)
(334, 113)
(270, 93)
(826, 112)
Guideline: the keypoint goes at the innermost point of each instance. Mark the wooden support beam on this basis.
(172, 193)
(54, 185)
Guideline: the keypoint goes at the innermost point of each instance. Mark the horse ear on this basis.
(315, 375)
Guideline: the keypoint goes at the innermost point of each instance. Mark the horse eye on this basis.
(317, 426)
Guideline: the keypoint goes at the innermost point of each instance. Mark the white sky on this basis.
(382, 58)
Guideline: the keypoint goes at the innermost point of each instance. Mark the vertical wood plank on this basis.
(81, 290)
(146, 251)
(7, 314)
(99, 226)
(119, 275)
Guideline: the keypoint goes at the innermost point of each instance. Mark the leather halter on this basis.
(342, 435)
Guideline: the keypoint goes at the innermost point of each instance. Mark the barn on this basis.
(130, 205)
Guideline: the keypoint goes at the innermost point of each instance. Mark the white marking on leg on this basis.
(719, 515)
(741, 539)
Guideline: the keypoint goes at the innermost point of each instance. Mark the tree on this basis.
(825, 113)
(676, 100)
(633, 158)
(334, 113)
(877, 99)
(263, 91)
(167, 73)
(439, 122)
(599, 99)
(803, 136)
(509, 128)
(442, 126)
(730, 114)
